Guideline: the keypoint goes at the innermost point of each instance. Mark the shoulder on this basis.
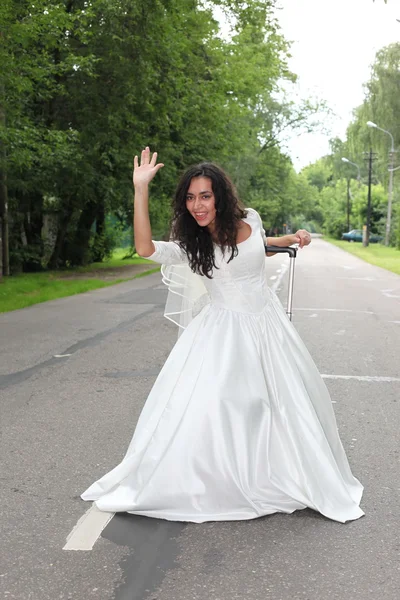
(252, 215)
(255, 220)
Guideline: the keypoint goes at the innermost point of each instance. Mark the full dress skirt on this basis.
(239, 423)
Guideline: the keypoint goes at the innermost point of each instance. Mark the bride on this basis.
(239, 423)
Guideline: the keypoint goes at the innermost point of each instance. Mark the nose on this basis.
(197, 202)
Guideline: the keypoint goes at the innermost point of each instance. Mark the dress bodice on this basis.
(240, 284)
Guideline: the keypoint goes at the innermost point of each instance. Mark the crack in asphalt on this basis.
(11, 379)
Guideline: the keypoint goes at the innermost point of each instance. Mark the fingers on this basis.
(135, 162)
(299, 239)
(153, 159)
(145, 157)
(303, 237)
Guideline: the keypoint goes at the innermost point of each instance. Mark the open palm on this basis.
(144, 173)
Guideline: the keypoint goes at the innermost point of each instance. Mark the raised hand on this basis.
(144, 173)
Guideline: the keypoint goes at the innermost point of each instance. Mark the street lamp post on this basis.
(391, 171)
(346, 160)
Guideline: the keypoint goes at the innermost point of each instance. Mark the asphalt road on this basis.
(74, 374)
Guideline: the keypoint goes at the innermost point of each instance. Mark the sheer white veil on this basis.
(187, 294)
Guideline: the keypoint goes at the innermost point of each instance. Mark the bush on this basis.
(335, 227)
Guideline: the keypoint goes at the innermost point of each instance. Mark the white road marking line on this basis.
(387, 293)
(397, 322)
(273, 277)
(281, 275)
(313, 315)
(88, 529)
(340, 277)
(365, 312)
(357, 278)
(340, 332)
(61, 355)
(374, 378)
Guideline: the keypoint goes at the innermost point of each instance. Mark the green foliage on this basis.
(381, 106)
(86, 85)
(319, 174)
(336, 180)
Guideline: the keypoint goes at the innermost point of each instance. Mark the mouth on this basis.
(200, 216)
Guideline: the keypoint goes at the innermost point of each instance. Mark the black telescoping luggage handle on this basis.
(292, 254)
(282, 249)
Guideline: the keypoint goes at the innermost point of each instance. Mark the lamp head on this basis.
(371, 124)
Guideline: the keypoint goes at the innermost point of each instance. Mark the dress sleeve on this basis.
(257, 219)
(168, 253)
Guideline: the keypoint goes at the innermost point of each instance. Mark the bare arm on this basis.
(141, 222)
(142, 175)
(301, 237)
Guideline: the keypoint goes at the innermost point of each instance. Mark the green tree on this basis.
(381, 106)
(90, 84)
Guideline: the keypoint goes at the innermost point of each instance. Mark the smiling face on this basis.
(200, 202)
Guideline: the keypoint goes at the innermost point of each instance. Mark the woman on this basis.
(239, 423)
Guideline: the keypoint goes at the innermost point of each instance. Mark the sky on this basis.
(334, 44)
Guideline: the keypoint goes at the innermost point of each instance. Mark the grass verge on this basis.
(375, 254)
(116, 261)
(26, 289)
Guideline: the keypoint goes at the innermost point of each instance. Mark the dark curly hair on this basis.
(195, 240)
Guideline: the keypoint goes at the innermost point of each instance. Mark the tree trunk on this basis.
(33, 225)
(56, 259)
(4, 198)
(5, 255)
(78, 250)
(98, 254)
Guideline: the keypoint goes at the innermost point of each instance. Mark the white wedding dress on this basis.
(239, 423)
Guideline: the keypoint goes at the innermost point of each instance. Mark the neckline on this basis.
(245, 220)
(244, 241)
